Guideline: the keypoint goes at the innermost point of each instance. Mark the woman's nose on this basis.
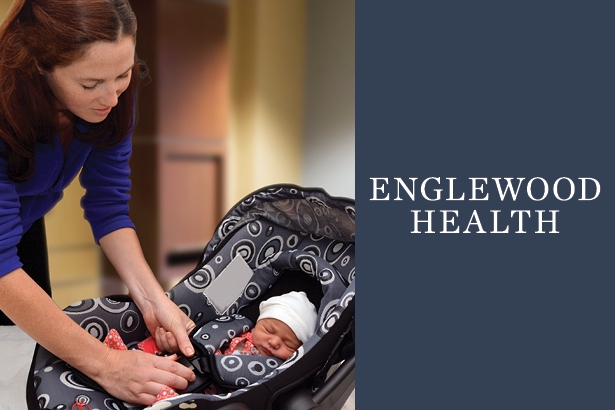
(110, 96)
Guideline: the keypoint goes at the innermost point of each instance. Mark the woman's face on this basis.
(89, 87)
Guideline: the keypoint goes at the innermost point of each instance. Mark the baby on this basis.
(284, 324)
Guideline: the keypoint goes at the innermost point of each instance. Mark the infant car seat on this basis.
(275, 240)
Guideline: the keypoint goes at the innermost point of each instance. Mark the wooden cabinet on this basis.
(190, 204)
(179, 147)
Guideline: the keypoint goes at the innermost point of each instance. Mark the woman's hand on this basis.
(124, 251)
(138, 377)
(169, 326)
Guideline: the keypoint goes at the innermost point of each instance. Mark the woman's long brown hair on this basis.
(44, 34)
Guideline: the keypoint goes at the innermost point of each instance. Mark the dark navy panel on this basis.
(483, 89)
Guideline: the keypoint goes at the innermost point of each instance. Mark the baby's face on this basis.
(274, 338)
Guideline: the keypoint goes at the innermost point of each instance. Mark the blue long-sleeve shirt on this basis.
(104, 175)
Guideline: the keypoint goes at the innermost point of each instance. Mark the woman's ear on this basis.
(40, 69)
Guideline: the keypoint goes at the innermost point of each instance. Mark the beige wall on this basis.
(267, 51)
(4, 7)
(74, 258)
(329, 129)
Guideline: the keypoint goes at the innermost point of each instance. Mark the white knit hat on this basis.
(294, 309)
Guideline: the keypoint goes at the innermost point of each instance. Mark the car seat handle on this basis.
(300, 400)
(235, 406)
(337, 351)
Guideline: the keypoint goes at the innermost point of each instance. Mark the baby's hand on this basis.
(169, 326)
(166, 341)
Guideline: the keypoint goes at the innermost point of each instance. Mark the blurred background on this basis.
(243, 94)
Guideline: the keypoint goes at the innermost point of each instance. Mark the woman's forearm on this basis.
(30, 308)
(123, 250)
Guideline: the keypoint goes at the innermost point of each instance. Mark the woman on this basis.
(68, 81)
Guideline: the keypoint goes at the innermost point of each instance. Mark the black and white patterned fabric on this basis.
(282, 230)
(215, 334)
(230, 371)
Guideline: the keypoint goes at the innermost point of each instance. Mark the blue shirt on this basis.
(105, 176)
